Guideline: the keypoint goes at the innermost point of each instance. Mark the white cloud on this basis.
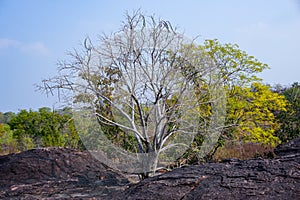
(8, 43)
(35, 48)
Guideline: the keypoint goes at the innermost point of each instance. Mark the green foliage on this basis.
(250, 104)
(44, 128)
(289, 119)
(120, 138)
(25, 142)
(236, 67)
(8, 143)
(249, 119)
(5, 117)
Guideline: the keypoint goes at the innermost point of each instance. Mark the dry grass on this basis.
(243, 151)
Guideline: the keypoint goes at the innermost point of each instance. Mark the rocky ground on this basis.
(57, 173)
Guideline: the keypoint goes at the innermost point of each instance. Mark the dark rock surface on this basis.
(56, 173)
(291, 148)
(277, 178)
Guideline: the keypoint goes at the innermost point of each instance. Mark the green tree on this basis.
(23, 126)
(44, 128)
(235, 66)
(250, 104)
(289, 119)
(8, 144)
(5, 117)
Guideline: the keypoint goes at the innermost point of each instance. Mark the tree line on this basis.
(46, 127)
(29, 129)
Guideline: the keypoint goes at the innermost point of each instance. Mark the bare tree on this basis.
(143, 79)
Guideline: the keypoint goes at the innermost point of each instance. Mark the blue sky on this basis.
(36, 34)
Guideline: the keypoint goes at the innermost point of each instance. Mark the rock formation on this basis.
(277, 178)
(57, 173)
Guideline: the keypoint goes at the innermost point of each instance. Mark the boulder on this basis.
(57, 173)
(290, 149)
(259, 178)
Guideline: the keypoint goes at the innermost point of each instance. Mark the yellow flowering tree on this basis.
(251, 113)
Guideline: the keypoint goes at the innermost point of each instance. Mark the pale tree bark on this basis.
(148, 79)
